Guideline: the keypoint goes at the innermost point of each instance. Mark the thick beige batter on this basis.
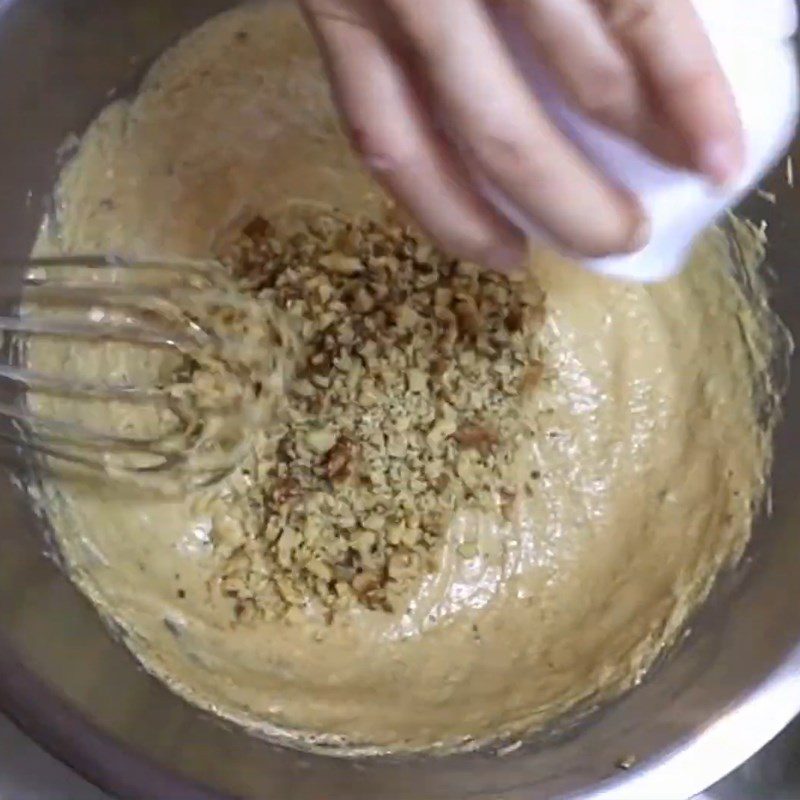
(649, 451)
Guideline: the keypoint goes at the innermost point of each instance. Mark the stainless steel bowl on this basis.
(732, 685)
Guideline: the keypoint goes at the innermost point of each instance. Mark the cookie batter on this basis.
(651, 448)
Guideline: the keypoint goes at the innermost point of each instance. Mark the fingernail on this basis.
(720, 160)
(506, 258)
(380, 164)
(640, 237)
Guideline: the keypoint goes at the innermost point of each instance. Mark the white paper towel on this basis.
(752, 39)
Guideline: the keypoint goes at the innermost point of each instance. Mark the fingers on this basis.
(667, 41)
(396, 140)
(643, 67)
(507, 138)
(572, 40)
(683, 111)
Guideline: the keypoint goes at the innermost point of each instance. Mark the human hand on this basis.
(436, 107)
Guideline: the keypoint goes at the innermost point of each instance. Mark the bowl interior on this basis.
(65, 679)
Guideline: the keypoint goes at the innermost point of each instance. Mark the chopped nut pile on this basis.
(410, 403)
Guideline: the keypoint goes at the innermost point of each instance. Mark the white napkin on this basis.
(752, 39)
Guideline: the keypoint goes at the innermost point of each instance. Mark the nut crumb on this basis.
(408, 403)
(627, 763)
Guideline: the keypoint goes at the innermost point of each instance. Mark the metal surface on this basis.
(29, 773)
(157, 307)
(773, 774)
(732, 685)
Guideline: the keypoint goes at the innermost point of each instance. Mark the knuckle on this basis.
(628, 17)
(502, 154)
(605, 92)
(382, 154)
(699, 79)
(424, 28)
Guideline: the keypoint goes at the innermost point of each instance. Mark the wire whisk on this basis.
(152, 306)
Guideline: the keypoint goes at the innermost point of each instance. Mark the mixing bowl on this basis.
(732, 684)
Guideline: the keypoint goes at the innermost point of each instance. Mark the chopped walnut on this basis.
(532, 377)
(285, 490)
(409, 402)
(341, 459)
(479, 437)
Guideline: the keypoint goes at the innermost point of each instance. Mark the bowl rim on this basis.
(689, 769)
(723, 745)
